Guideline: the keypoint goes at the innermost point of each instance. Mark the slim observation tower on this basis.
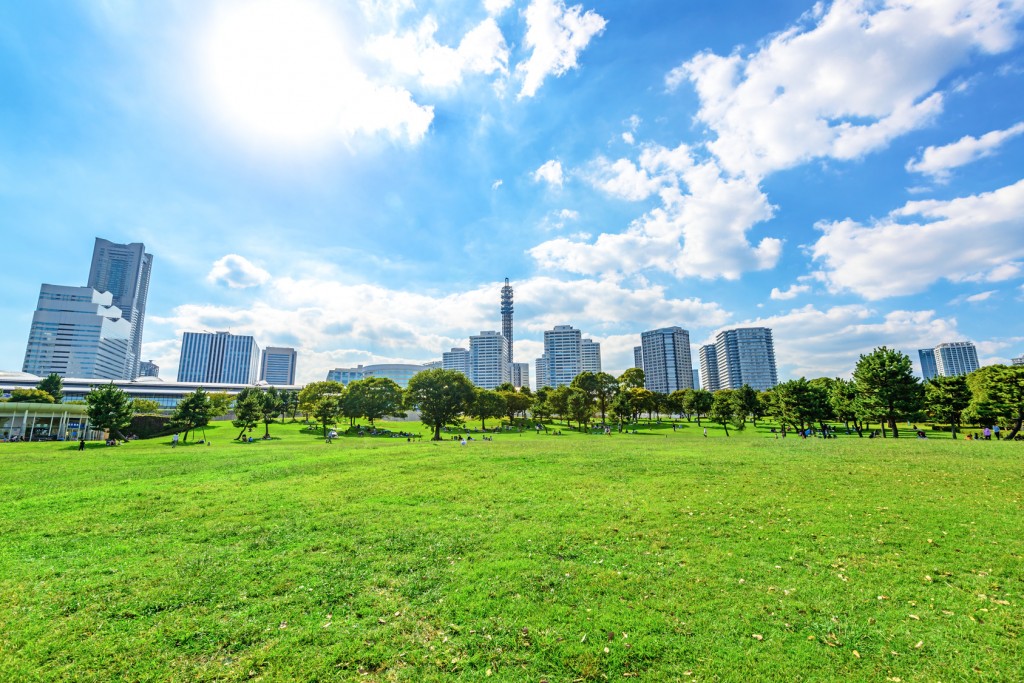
(506, 316)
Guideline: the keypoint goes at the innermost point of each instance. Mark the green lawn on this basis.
(658, 556)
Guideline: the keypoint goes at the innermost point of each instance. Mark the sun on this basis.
(275, 71)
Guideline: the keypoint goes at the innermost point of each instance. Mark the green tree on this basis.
(192, 412)
(723, 408)
(270, 407)
(888, 387)
(440, 396)
(845, 401)
(53, 384)
(248, 410)
(580, 405)
(606, 387)
(946, 399)
(747, 403)
(997, 395)
(322, 400)
(633, 378)
(558, 400)
(145, 406)
(622, 408)
(31, 396)
(109, 408)
(800, 403)
(487, 404)
(220, 403)
(516, 402)
(289, 403)
(540, 408)
(698, 402)
(373, 398)
(676, 403)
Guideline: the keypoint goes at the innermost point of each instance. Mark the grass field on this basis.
(659, 556)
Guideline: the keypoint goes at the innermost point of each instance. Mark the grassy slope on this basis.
(530, 557)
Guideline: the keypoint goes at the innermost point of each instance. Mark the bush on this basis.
(150, 426)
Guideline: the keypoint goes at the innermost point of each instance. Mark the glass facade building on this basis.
(666, 359)
(124, 271)
(219, 358)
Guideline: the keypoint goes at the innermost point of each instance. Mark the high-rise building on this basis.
(746, 355)
(562, 355)
(399, 373)
(124, 270)
(277, 366)
(638, 357)
(219, 358)
(1018, 361)
(928, 368)
(457, 359)
(696, 379)
(148, 368)
(540, 368)
(520, 375)
(506, 317)
(590, 356)
(77, 332)
(709, 367)
(666, 359)
(488, 360)
(956, 358)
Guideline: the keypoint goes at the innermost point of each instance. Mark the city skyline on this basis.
(720, 187)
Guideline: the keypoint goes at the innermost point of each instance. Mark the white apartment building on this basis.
(956, 358)
(277, 366)
(488, 360)
(562, 355)
(590, 356)
(457, 359)
(666, 359)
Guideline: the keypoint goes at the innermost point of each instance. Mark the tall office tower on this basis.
(148, 368)
(219, 358)
(696, 379)
(746, 355)
(520, 375)
(956, 358)
(590, 356)
(277, 367)
(506, 316)
(928, 368)
(666, 357)
(457, 359)
(562, 354)
(1017, 361)
(709, 367)
(123, 270)
(540, 368)
(488, 360)
(77, 332)
(638, 357)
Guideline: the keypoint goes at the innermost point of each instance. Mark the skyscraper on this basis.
(520, 375)
(77, 332)
(457, 359)
(277, 366)
(638, 357)
(928, 369)
(148, 368)
(666, 359)
(124, 270)
(506, 317)
(956, 358)
(696, 379)
(540, 368)
(709, 367)
(488, 360)
(218, 358)
(746, 355)
(590, 356)
(562, 355)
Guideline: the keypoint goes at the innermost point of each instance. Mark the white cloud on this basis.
(702, 232)
(937, 162)
(556, 35)
(418, 54)
(549, 172)
(568, 214)
(792, 292)
(843, 83)
(496, 7)
(978, 238)
(980, 296)
(628, 138)
(237, 272)
(497, 183)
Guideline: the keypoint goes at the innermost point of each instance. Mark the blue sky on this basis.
(356, 179)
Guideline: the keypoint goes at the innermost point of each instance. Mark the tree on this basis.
(800, 403)
(677, 402)
(622, 407)
(192, 412)
(633, 378)
(487, 404)
(606, 387)
(31, 396)
(373, 398)
(144, 406)
(440, 396)
(699, 402)
(53, 384)
(946, 399)
(220, 403)
(270, 407)
(558, 400)
(109, 408)
(248, 410)
(289, 403)
(885, 379)
(322, 400)
(747, 403)
(998, 395)
(845, 401)
(723, 408)
(515, 401)
(540, 408)
(580, 406)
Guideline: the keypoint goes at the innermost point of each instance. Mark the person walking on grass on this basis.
(81, 444)
(705, 432)
(174, 440)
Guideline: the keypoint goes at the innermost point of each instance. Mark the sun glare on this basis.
(276, 71)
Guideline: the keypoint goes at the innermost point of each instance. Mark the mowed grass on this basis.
(660, 556)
